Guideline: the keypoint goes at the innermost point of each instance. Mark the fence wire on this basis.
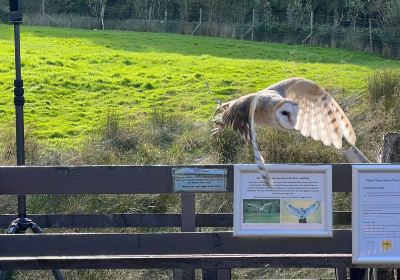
(360, 33)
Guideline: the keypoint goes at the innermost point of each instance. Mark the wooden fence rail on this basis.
(216, 252)
(140, 220)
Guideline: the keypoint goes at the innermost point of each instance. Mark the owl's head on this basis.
(286, 114)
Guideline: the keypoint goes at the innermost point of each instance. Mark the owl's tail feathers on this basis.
(219, 125)
(257, 155)
(354, 155)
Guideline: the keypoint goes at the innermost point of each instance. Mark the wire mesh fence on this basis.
(359, 33)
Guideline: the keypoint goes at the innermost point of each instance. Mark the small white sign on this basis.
(298, 204)
(199, 180)
(376, 214)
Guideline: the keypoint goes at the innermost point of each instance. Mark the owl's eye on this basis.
(285, 113)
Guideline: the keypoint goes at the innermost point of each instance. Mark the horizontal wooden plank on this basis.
(342, 217)
(214, 220)
(226, 219)
(41, 245)
(139, 220)
(92, 179)
(115, 179)
(178, 261)
(99, 220)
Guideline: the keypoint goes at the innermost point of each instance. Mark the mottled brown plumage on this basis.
(236, 114)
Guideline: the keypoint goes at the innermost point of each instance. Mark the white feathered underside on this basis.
(308, 211)
(305, 212)
(322, 119)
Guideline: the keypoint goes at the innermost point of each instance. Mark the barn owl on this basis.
(301, 212)
(293, 103)
(259, 208)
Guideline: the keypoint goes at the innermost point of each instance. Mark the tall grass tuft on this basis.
(8, 149)
(227, 145)
(383, 85)
(291, 147)
(163, 128)
(117, 134)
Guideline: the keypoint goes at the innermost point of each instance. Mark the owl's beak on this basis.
(292, 122)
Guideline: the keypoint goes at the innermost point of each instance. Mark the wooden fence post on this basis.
(354, 155)
(391, 148)
(371, 49)
(358, 273)
(150, 12)
(188, 224)
(216, 274)
(199, 24)
(250, 29)
(390, 153)
(341, 273)
(252, 26)
(103, 8)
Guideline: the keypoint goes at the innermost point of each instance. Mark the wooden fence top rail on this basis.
(117, 179)
(167, 243)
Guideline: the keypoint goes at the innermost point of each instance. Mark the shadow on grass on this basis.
(198, 46)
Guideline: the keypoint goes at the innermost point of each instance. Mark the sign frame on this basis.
(357, 257)
(326, 225)
(199, 179)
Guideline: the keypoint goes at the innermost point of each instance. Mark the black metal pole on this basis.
(22, 223)
(19, 101)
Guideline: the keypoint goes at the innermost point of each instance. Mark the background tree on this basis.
(354, 8)
(295, 12)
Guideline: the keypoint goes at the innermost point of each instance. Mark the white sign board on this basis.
(199, 179)
(298, 204)
(376, 214)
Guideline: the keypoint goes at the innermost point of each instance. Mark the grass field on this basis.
(113, 97)
(73, 78)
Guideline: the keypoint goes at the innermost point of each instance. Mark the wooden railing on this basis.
(214, 252)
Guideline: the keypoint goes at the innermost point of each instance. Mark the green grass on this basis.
(73, 78)
(149, 98)
(384, 85)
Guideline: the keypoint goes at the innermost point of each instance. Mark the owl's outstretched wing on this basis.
(319, 115)
(235, 113)
(248, 204)
(294, 211)
(311, 209)
(266, 204)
